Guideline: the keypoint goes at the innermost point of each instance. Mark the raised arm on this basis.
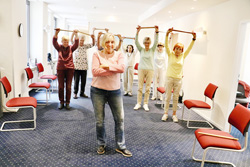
(156, 38)
(93, 39)
(190, 45)
(72, 38)
(98, 41)
(137, 44)
(55, 43)
(167, 42)
(76, 43)
(120, 42)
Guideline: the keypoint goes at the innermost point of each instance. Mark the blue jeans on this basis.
(114, 98)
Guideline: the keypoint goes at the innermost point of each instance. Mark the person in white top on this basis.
(128, 75)
(160, 61)
(81, 65)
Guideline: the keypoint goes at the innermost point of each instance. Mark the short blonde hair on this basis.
(146, 39)
(65, 38)
(106, 37)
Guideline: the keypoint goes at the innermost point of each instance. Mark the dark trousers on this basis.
(80, 74)
(65, 76)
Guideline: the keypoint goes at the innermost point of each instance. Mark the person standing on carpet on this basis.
(160, 60)
(128, 76)
(81, 65)
(107, 65)
(146, 67)
(175, 73)
(65, 66)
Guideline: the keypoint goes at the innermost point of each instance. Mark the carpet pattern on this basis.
(67, 138)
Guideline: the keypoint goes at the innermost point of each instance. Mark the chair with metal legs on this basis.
(189, 104)
(17, 103)
(210, 139)
(37, 85)
(48, 77)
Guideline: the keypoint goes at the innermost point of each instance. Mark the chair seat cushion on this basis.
(196, 103)
(40, 85)
(211, 141)
(53, 77)
(22, 101)
(161, 90)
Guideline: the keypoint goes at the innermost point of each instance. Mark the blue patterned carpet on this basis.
(67, 138)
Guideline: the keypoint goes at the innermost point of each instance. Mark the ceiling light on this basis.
(114, 7)
(192, 8)
(169, 11)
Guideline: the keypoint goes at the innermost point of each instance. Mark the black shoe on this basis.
(83, 95)
(67, 107)
(101, 150)
(124, 152)
(61, 106)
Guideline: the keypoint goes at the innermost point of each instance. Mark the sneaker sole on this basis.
(125, 155)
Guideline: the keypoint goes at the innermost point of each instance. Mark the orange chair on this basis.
(189, 104)
(48, 77)
(38, 85)
(17, 103)
(210, 139)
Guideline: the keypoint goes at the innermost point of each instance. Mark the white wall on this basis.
(220, 63)
(13, 55)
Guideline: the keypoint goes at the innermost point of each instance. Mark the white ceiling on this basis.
(81, 12)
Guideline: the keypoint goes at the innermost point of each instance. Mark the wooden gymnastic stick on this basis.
(146, 27)
(183, 31)
(73, 31)
(129, 37)
(225, 137)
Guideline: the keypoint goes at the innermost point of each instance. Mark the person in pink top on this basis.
(107, 65)
(65, 66)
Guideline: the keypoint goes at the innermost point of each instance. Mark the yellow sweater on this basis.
(175, 64)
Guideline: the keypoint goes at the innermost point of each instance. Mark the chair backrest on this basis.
(240, 118)
(210, 91)
(40, 67)
(136, 66)
(29, 73)
(6, 85)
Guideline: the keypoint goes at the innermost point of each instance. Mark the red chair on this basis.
(210, 139)
(17, 103)
(38, 85)
(136, 68)
(161, 90)
(189, 104)
(48, 77)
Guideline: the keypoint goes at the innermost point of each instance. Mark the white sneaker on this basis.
(175, 119)
(125, 93)
(164, 117)
(145, 106)
(137, 106)
(153, 98)
(130, 94)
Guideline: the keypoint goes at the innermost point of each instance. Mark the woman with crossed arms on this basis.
(107, 65)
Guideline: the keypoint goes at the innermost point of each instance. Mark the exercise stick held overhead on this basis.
(73, 31)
